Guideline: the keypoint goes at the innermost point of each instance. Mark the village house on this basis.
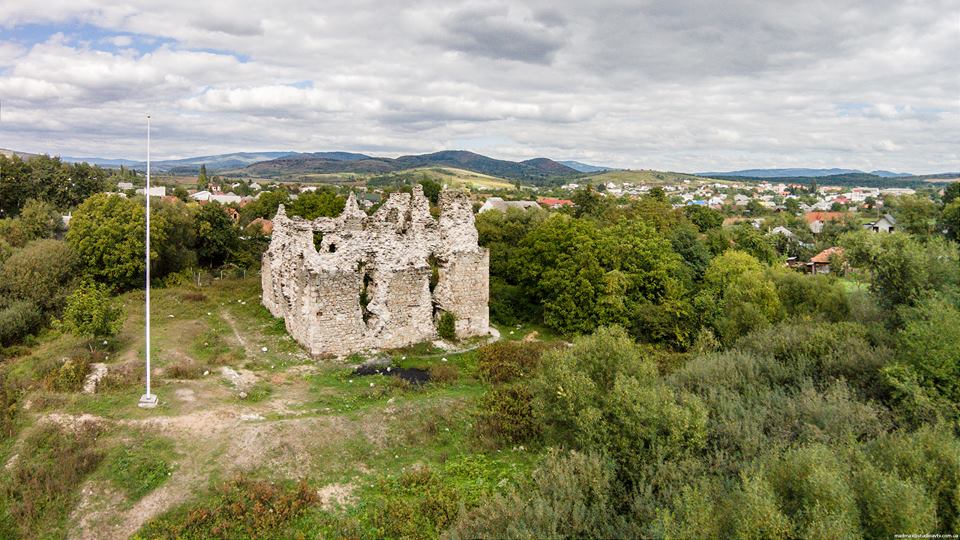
(554, 203)
(820, 263)
(885, 224)
(500, 205)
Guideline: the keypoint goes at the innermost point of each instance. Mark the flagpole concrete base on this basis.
(148, 401)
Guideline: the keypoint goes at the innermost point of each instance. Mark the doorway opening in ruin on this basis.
(317, 240)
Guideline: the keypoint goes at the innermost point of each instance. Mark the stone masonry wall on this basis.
(382, 261)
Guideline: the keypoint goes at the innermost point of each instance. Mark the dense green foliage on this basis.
(48, 179)
(91, 313)
(108, 233)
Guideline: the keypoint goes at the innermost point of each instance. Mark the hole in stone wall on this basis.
(434, 271)
(365, 293)
(317, 240)
(332, 248)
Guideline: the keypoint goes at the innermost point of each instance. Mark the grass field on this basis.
(244, 414)
(649, 177)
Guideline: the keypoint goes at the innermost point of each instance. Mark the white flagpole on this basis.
(148, 400)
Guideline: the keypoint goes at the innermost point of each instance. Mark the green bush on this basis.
(69, 376)
(891, 506)
(571, 496)
(17, 320)
(603, 395)
(810, 485)
(417, 504)
(41, 273)
(447, 326)
(506, 361)
(505, 416)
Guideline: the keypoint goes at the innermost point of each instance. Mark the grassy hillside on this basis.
(244, 414)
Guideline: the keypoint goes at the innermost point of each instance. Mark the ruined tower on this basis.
(358, 282)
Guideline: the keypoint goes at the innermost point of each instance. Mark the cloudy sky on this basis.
(681, 85)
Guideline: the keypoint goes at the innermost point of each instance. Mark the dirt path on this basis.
(250, 351)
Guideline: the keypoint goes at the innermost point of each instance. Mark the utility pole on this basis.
(148, 400)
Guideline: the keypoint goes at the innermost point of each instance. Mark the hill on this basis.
(801, 173)
(539, 170)
(584, 167)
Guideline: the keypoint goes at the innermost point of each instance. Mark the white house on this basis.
(155, 191)
(123, 186)
(885, 224)
(500, 205)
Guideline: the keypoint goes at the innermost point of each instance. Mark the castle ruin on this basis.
(357, 282)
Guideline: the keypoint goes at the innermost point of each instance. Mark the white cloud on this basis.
(681, 85)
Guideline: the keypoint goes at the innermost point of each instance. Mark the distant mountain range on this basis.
(585, 168)
(803, 173)
(272, 164)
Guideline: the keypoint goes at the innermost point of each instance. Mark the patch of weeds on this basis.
(211, 348)
(259, 392)
(41, 488)
(422, 502)
(417, 504)
(140, 466)
(184, 368)
(69, 376)
(444, 373)
(238, 508)
(122, 375)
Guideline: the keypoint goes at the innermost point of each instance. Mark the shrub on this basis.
(41, 488)
(891, 506)
(928, 457)
(810, 484)
(505, 416)
(570, 496)
(41, 273)
(184, 368)
(603, 395)
(18, 320)
(506, 361)
(10, 394)
(417, 504)
(447, 326)
(91, 313)
(930, 345)
(69, 376)
(240, 508)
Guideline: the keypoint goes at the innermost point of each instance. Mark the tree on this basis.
(41, 273)
(91, 313)
(216, 235)
(431, 189)
(950, 219)
(704, 217)
(265, 206)
(40, 219)
(901, 269)
(792, 205)
(202, 181)
(737, 296)
(915, 214)
(313, 204)
(108, 234)
(951, 193)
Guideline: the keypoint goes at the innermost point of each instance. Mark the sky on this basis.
(683, 85)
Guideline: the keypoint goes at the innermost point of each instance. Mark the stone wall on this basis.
(368, 285)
